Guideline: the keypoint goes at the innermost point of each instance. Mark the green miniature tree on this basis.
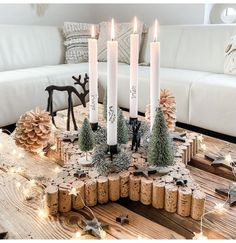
(105, 105)
(122, 129)
(160, 149)
(86, 139)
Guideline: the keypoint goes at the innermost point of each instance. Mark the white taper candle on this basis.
(154, 75)
(93, 78)
(134, 55)
(112, 67)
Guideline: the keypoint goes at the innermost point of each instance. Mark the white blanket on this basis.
(230, 57)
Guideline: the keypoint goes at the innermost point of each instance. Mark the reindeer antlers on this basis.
(82, 96)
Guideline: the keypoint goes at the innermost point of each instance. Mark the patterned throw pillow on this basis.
(76, 41)
(122, 35)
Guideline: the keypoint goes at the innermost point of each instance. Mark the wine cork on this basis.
(198, 204)
(70, 179)
(78, 201)
(124, 184)
(185, 154)
(188, 145)
(114, 187)
(184, 201)
(171, 197)
(91, 192)
(102, 184)
(57, 181)
(158, 194)
(52, 199)
(146, 191)
(64, 198)
(134, 187)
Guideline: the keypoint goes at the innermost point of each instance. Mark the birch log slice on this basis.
(103, 195)
(91, 192)
(52, 199)
(184, 201)
(64, 198)
(198, 204)
(114, 187)
(146, 191)
(78, 201)
(158, 194)
(134, 188)
(124, 184)
(171, 197)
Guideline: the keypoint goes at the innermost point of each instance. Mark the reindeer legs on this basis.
(73, 115)
(68, 111)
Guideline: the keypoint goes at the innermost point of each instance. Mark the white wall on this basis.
(167, 14)
(55, 14)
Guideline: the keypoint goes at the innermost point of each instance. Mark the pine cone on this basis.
(33, 130)
(168, 105)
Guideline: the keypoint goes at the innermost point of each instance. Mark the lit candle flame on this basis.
(112, 29)
(92, 32)
(155, 30)
(135, 25)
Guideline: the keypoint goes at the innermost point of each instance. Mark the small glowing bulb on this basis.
(77, 235)
(65, 119)
(41, 153)
(200, 138)
(1, 146)
(18, 184)
(12, 170)
(199, 236)
(203, 147)
(139, 237)
(73, 191)
(1, 130)
(57, 170)
(14, 152)
(42, 213)
(228, 159)
(19, 170)
(32, 182)
(54, 147)
(103, 234)
(220, 207)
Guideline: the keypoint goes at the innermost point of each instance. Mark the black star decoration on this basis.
(80, 173)
(71, 137)
(93, 227)
(219, 161)
(230, 191)
(178, 136)
(3, 235)
(145, 171)
(181, 181)
(123, 219)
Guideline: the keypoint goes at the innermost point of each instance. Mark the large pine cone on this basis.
(33, 130)
(168, 105)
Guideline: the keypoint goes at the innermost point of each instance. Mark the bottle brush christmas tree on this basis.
(160, 149)
(86, 139)
(122, 129)
(105, 106)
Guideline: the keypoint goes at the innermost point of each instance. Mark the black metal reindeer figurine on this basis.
(136, 135)
(70, 90)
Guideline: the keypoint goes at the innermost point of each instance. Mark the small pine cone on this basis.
(33, 130)
(168, 105)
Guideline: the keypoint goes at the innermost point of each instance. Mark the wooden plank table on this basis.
(20, 217)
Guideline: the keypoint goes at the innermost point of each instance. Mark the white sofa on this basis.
(192, 60)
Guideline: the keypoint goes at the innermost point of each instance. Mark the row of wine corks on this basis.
(156, 193)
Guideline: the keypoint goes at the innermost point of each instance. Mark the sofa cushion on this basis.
(25, 89)
(195, 47)
(76, 41)
(122, 35)
(30, 46)
(212, 103)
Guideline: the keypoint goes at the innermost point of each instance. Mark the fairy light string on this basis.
(219, 207)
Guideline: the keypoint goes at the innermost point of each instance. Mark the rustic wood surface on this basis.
(20, 218)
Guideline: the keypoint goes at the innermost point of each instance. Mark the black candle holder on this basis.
(94, 126)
